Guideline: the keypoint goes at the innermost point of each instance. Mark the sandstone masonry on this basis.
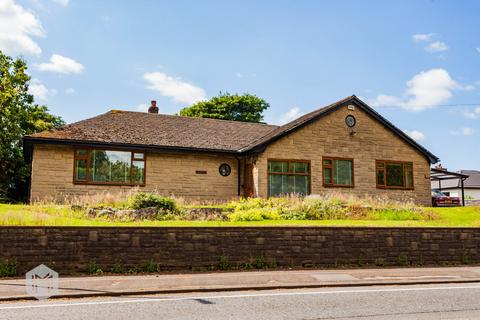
(71, 250)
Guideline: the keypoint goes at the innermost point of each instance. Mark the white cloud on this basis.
(70, 91)
(436, 46)
(474, 114)
(142, 107)
(17, 27)
(463, 132)
(62, 2)
(422, 37)
(290, 115)
(39, 90)
(239, 75)
(478, 50)
(426, 89)
(415, 135)
(174, 88)
(61, 64)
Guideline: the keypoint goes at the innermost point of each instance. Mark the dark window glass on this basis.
(380, 177)
(138, 172)
(394, 175)
(408, 175)
(110, 166)
(338, 172)
(397, 175)
(287, 177)
(82, 152)
(278, 166)
(327, 175)
(81, 169)
(299, 167)
(343, 172)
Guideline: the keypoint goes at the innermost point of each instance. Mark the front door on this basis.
(248, 183)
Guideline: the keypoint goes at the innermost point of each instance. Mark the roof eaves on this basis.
(32, 139)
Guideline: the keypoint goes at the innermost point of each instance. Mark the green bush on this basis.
(316, 209)
(293, 214)
(148, 200)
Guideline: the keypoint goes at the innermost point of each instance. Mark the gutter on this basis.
(239, 170)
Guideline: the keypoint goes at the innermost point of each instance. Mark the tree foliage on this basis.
(246, 107)
(19, 116)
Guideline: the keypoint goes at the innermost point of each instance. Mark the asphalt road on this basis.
(383, 302)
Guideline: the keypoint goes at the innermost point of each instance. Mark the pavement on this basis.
(421, 302)
(78, 287)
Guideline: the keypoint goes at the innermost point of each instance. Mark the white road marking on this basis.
(251, 295)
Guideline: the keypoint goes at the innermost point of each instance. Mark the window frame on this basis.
(289, 173)
(384, 169)
(86, 157)
(332, 167)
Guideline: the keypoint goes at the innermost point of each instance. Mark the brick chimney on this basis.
(153, 107)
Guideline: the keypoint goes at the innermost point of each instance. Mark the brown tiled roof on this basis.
(177, 132)
(159, 130)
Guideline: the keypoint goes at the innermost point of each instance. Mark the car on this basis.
(440, 199)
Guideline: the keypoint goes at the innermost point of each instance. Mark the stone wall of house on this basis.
(167, 174)
(329, 136)
(70, 250)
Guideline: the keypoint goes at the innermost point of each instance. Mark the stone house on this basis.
(344, 147)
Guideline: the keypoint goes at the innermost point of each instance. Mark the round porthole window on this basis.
(225, 170)
(350, 121)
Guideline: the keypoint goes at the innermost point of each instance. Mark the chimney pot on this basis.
(153, 107)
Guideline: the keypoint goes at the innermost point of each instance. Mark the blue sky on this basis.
(417, 62)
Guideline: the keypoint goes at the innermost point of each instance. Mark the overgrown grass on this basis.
(56, 215)
(332, 210)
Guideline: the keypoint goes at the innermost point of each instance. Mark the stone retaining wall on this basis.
(72, 249)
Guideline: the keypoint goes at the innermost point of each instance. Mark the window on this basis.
(394, 174)
(288, 176)
(337, 172)
(96, 166)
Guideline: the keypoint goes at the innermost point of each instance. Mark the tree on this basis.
(246, 107)
(19, 116)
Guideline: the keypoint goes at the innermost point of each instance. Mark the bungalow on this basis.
(344, 147)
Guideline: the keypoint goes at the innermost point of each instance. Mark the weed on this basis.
(93, 268)
(224, 264)
(8, 268)
(403, 260)
(117, 268)
(151, 267)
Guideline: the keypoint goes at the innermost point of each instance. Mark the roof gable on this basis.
(308, 118)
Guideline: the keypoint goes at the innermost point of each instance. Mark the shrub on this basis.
(256, 214)
(322, 209)
(148, 200)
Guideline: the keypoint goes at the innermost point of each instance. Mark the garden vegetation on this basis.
(328, 210)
